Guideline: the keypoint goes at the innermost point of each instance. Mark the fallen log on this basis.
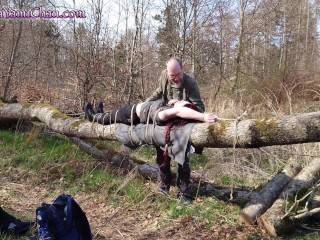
(150, 172)
(276, 220)
(257, 206)
(291, 129)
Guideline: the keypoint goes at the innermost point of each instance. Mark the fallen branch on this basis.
(306, 214)
(275, 219)
(265, 198)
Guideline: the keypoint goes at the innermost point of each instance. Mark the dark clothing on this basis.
(149, 111)
(148, 114)
(183, 178)
(122, 115)
(188, 91)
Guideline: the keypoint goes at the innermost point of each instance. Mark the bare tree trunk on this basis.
(237, 80)
(283, 55)
(284, 39)
(194, 36)
(222, 45)
(307, 36)
(12, 59)
(253, 56)
(182, 49)
(141, 54)
(298, 49)
(133, 72)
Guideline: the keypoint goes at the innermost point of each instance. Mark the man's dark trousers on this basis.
(183, 178)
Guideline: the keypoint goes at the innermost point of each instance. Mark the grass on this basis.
(27, 152)
(67, 169)
(60, 166)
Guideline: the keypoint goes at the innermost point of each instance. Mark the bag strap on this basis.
(64, 202)
(81, 222)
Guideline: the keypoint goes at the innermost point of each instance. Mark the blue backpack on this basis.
(62, 220)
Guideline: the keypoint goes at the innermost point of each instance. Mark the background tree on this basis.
(263, 50)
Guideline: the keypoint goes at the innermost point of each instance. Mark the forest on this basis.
(252, 52)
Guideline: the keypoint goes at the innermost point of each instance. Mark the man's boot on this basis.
(184, 193)
(164, 182)
(183, 180)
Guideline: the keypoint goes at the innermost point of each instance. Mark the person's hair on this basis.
(176, 59)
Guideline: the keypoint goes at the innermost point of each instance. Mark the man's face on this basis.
(175, 73)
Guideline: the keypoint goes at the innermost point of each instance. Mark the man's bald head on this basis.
(174, 63)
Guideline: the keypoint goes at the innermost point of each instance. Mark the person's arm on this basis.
(194, 97)
(186, 113)
(157, 94)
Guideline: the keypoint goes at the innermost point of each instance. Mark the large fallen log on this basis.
(150, 172)
(291, 129)
(279, 218)
(265, 198)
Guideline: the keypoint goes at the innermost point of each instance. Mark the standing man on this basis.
(175, 85)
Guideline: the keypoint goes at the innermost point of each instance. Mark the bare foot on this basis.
(210, 118)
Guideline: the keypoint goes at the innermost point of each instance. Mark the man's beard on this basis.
(176, 85)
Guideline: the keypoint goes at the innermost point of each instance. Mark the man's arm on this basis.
(194, 97)
(157, 94)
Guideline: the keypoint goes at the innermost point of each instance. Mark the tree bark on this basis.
(291, 129)
(276, 220)
(265, 198)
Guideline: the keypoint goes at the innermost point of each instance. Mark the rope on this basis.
(154, 126)
(105, 114)
(94, 118)
(169, 127)
(131, 126)
(147, 125)
(115, 121)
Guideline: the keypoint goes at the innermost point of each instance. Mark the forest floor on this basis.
(21, 197)
(34, 169)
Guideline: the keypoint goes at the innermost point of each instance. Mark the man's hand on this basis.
(172, 102)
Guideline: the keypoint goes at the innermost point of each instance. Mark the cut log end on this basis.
(272, 220)
(246, 219)
(276, 226)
